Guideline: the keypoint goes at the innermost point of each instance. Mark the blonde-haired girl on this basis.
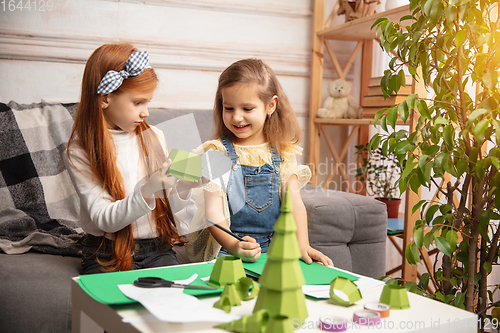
(257, 128)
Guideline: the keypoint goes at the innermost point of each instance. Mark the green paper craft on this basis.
(347, 288)
(255, 323)
(247, 288)
(279, 324)
(229, 298)
(224, 303)
(279, 295)
(185, 165)
(227, 270)
(315, 274)
(395, 296)
(104, 287)
(231, 294)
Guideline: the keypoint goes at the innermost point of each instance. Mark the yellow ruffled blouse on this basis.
(261, 154)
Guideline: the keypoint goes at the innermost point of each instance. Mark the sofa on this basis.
(40, 240)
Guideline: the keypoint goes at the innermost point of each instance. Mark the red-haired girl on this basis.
(257, 128)
(116, 162)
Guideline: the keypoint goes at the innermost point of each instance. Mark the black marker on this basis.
(229, 232)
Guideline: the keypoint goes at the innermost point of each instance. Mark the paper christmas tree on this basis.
(282, 279)
(185, 165)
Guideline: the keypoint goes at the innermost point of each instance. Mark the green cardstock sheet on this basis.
(104, 287)
(314, 274)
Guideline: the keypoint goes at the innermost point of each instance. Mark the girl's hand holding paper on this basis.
(159, 181)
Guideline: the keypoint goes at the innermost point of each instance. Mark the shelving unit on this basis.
(358, 30)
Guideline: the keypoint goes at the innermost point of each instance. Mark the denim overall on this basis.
(253, 197)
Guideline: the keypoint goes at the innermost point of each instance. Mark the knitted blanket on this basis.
(39, 208)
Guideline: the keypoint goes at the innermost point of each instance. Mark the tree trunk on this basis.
(469, 295)
(483, 284)
(445, 284)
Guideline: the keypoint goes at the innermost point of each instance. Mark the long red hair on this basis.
(281, 128)
(91, 133)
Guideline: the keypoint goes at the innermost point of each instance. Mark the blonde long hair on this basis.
(280, 129)
(91, 133)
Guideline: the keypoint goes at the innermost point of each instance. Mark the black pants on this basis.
(147, 254)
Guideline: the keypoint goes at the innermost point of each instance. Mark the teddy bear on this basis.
(340, 103)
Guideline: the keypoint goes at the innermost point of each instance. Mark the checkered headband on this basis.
(135, 65)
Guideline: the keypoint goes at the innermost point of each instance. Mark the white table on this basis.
(424, 315)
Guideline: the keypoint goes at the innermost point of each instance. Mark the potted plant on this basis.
(453, 47)
(380, 170)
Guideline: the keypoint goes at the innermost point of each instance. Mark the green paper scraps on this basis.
(185, 165)
(103, 287)
(314, 274)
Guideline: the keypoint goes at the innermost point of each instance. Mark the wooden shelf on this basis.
(360, 29)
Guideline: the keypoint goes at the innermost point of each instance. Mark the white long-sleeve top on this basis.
(99, 212)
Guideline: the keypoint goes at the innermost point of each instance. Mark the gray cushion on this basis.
(349, 228)
(35, 289)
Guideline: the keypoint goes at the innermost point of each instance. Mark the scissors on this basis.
(154, 282)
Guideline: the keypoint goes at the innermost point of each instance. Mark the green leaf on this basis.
(496, 162)
(402, 147)
(441, 121)
(403, 111)
(392, 116)
(440, 296)
(480, 128)
(410, 101)
(423, 109)
(409, 255)
(443, 245)
(383, 123)
(452, 239)
(460, 37)
(428, 239)
(476, 113)
(462, 167)
(418, 236)
(440, 162)
(451, 11)
(436, 11)
(379, 114)
(415, 252)
(417, 206)
(427, 7)
(487, 267)
(484, 221)
(424, 281)
(459, 299)
(422, 161)
(429, 215)
(375, 141)
(490, 80)
(479, 169)
(474, 153)
(415, 183)
(449, 135)
(411, 286)
(408, 168)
